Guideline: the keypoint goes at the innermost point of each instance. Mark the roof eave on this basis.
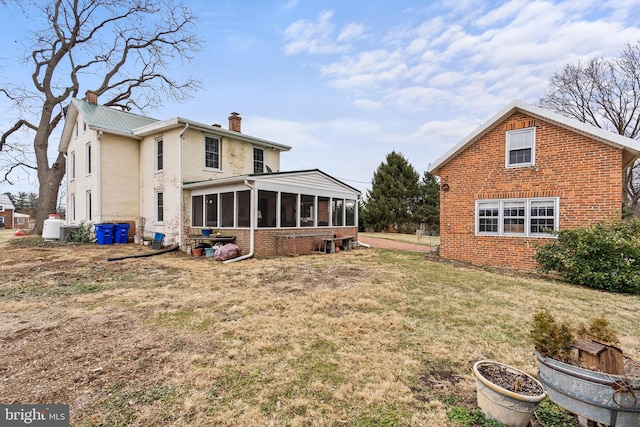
(179, 122)
(602, 135)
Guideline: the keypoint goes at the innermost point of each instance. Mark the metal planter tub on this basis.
(609, 399)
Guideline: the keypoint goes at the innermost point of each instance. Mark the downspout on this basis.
(98, 156)
(252, 210)
(180, 216)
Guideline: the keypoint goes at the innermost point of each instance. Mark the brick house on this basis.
(177, 176)
(522, 173)
(6, 211)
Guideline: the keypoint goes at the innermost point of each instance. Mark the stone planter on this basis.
(605, 398)
(510, 408)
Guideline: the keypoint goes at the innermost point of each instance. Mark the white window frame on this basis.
(89, 203)
(510, 139)
(72, 160)
(527, 216)
(1, 208)
(158, 155)
(218, 160)
(88, 159)
(159, 194)
(256, 161)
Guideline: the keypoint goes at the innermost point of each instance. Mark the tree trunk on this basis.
(50, 179)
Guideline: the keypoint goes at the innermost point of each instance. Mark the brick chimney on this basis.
(91, 97)
(234, 122)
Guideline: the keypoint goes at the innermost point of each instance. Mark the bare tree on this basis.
(120, 49)
(604, 92)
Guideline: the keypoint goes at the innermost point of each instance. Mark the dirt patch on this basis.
(509, 380)
(73, 360)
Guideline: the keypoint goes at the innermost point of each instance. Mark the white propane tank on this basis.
(51, 227)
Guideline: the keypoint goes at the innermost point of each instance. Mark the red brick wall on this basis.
(265, 239)
(8, 218)
(585, 174)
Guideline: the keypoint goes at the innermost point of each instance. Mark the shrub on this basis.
(604, 256)
(551, 338)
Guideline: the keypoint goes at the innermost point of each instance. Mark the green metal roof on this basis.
(110, 119)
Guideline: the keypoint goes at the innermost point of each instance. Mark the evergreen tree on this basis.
(427, 209)
(394, 190)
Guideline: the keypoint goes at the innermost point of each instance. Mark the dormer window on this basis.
(521, 147)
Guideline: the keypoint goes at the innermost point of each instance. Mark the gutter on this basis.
(252, 229)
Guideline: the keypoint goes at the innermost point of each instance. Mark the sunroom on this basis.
(273, 213)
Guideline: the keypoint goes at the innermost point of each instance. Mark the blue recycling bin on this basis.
(104, 233)
(121, 233)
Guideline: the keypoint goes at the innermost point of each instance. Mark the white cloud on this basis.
(501, 54)
(367, 104)
(291, 4)
(320, 36)
(350, 32)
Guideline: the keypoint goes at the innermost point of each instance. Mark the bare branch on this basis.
(604, 92)
(17, 126)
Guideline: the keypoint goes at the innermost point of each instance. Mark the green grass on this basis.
(362, 338)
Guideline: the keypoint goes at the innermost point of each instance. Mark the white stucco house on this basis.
(178, 176)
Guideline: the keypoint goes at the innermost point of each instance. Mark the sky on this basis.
(345, 83)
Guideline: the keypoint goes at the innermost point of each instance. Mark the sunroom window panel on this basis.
(212, 210)
(196, 211)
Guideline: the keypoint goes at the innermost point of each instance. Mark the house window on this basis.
(159, 155)
(88, 150)
(211, 152)
(543, 216)
(159, 206)
(72, 165)
(1, 208)
(89, 216)
(84, 126)
(258, 160)
(488, 213)
(520, 147)
(517, 217)
(513, 217)
(75, 129)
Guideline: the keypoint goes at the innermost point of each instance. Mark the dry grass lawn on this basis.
(359, 338)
